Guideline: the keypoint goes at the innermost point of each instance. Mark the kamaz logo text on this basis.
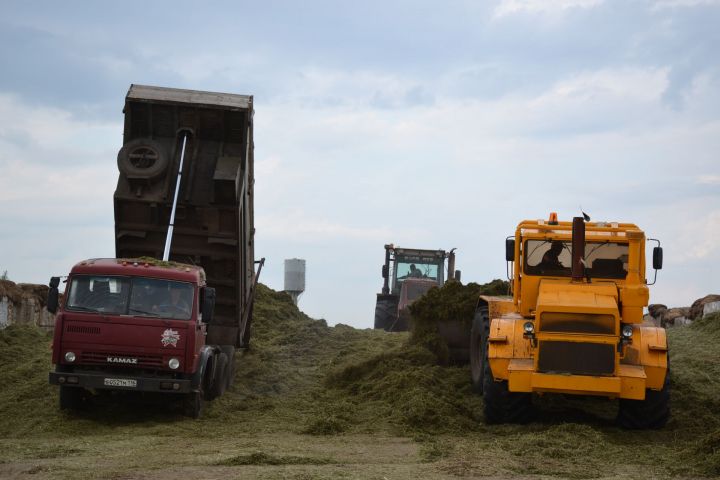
(130, 361)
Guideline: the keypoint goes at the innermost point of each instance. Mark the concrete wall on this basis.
(24, 304)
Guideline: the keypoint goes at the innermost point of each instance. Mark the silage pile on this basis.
(302, 376)
(412, 385)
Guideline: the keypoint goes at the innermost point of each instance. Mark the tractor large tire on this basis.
(72, 398)
(500, 404)
(651, 413)
(219, 381)
(478, 354)
(142, 158)
(385, 312)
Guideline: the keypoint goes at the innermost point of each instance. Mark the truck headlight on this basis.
(627, 331)
(174, 363)
(70, 357)
(528, 328)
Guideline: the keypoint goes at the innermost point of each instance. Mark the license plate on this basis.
(120, 382)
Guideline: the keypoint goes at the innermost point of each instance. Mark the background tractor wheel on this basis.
(500, 404)
(385, 312)
(653, 412)
(478, 354)
(142, 158)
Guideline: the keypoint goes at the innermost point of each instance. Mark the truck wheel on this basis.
(385, 313)
(193, 404)
(142, 158)
(219, 382)
(245, 341)
(478, 354)
(229, 350)
(651, 413)
(71, 398)
(500, 404)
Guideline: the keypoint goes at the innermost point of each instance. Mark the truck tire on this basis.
(500, 404)
(385, 313)
(651, 413)
(229, 350)
(193, 404)
(219, 381)
(142, 158)
(71, 398)
(478, 354)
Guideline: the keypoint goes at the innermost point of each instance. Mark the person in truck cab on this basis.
(179, 301)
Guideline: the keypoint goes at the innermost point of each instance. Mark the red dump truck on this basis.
(184, 194)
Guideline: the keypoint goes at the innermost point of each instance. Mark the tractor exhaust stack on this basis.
(578, 249)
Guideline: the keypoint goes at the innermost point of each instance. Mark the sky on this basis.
(432, 125)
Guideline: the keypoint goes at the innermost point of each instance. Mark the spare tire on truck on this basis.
(142, 159)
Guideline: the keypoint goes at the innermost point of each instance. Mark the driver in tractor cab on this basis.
(551, 258)
(414, 272)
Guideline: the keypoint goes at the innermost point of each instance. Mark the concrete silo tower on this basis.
(295, 277)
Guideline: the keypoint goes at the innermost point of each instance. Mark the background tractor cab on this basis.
(413, 273)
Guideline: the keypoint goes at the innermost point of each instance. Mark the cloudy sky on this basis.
(425, 124)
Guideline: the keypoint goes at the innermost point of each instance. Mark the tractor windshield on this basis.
(416, 270)
(554, 257)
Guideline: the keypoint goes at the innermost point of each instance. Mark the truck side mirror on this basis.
(509, 249)
(208, 304)
(385, 272)
(53, 294)
(657, 258)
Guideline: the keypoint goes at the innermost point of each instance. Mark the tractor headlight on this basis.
(529, 328)
(627, 331)
(174, 363)
(70, 357)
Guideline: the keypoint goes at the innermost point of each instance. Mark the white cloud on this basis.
(510, 7)
(664, 4)
(709, 180)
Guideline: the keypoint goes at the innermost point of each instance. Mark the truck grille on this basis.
(576, 358)
(101, 358)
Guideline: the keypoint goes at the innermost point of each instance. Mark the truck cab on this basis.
(574, 324)
(136, 325)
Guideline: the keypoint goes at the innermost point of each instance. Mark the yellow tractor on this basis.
(574, 324)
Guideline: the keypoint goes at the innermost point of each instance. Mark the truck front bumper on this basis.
(102, 381)
(630, 381)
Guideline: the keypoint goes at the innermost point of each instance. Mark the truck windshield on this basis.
(554, 258)
(146, 297)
